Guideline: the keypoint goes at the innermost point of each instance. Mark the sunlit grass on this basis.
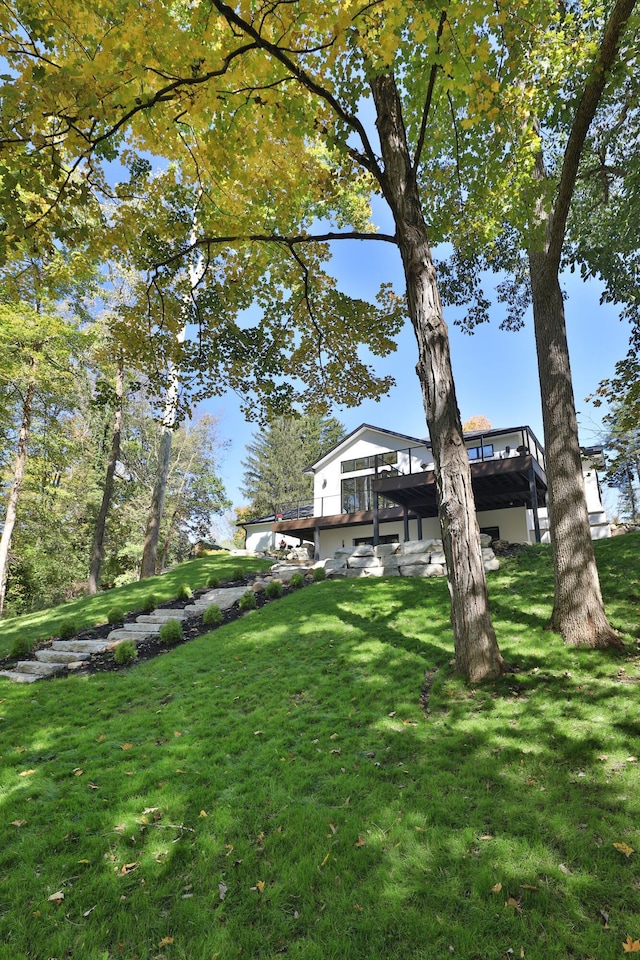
(276, 788)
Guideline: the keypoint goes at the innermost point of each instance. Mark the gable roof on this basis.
(353, 436)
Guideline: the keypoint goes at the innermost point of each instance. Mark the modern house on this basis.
(378, 486)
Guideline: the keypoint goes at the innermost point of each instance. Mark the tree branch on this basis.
(368, 159)
(585, 113)
(429, 97)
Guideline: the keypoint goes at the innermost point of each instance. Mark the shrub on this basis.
(125, 652)
(149, 603)
(20, 647)
(274, 589)
(115, 615)
(319, 573)
(171, 631)
(213, 581)
(297, 581)
(184, 592)
(237, 574)
(212, 617)
(247, 601)
(67, 629)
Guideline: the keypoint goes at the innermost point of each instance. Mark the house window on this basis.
(481, 453)
(357, 495)
(387, 538)
(494, 532)
(366, 463)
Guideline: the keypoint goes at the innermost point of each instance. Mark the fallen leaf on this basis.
(78, 773)
(563, 868)
(130, 867)
(358, 907)
(260, 885)
(165, 941)
(26, 773)
(631, 946)
(84, 861)
(512, 902)
(89, 911)
(177, 733)
(360, 842)
(528, 886)
(101, 738)
(497, 888)
(257, 733)
(202, 813)
(325, 860)
(486, 836)
(229, 848)
(222, 890)
(332, 828)
(127, 746)
(624, 848)
(19, 823)
(57, 897)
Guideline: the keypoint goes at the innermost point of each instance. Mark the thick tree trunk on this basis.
(97, 550)
(150, 549)
(476, 648)
(14, 494)
(578, 610)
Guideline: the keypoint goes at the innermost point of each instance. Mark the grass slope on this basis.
(277, 788)
(92, 611)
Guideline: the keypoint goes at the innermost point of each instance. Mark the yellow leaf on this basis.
(624, 848)
(101, 738)
(130, 867)
(78, 773)
(26, 773)
(260, 885)
(165, 941)
(127, 746)
(631, 946)
(497, 888)
(177, 733)
(202, 813)
(360, 842)
(19, 823)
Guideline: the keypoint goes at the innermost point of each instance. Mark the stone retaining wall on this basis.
(415, 558)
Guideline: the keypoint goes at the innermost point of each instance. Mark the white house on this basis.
(378, 486)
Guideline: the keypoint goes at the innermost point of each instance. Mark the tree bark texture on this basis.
(150, 549)
(97, 550)
(578, 610)
(19, 466)
(476, 648)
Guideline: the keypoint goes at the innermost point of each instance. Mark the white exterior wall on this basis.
(512, 523)
(331, 540)
(600, 527)
(260, 537)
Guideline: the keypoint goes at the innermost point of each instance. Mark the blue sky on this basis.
(495, 371)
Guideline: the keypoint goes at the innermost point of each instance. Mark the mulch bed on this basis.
(152, 647)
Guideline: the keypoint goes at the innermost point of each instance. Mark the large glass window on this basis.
(366, 463)
(357, 495)
(481, 453)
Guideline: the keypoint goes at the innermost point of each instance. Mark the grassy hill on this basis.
(314, 781)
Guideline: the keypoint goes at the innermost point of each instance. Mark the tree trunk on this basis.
(476, 648)
(168, 539)
(150, 550)
(578, 611)
(14, 495)
(97, 550)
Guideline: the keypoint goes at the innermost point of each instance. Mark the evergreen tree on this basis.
(273, 477)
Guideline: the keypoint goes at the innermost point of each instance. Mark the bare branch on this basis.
(429, 97)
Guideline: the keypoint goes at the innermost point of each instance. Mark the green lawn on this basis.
(277, 788)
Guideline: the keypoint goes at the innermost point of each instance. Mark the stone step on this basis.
(61, 656)
(160, 616)
(145, 629)
(117, 635)
(38, 668)
(80, 646)
(19, 677)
